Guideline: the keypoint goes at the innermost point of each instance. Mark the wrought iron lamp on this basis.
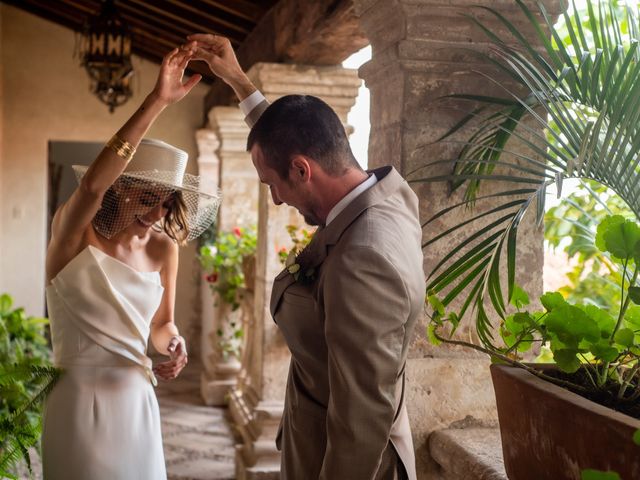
(105, 51)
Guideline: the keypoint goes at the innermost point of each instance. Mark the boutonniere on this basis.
(296, 266)
(297, 259)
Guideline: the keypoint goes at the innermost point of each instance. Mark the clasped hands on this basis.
(178, 359)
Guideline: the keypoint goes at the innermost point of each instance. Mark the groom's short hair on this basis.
(302, 125)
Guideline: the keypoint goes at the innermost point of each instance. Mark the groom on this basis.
(348, 307)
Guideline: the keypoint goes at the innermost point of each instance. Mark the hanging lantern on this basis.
(105, 52)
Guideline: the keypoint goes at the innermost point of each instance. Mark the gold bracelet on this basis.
(122, 148)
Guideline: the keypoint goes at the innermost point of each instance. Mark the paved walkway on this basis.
(198, 444)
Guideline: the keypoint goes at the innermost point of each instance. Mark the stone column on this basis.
(238, 179)
(209, 171)
(256, 403)
(421, 53)
(238, 182)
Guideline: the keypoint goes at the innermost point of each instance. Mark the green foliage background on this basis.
(26, 376)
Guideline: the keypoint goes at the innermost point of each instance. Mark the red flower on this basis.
(212, 278)
(237, 232)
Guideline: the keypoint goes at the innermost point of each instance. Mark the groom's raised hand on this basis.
(218, 53)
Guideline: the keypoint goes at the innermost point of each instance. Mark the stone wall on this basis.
(422, 51)
(45, 96)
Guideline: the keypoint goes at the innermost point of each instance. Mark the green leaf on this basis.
(514, 331)
(590, 474)
(567, 360)
(519, 297)
(624, 337)
(514, 326)
(632, 317)
(545, 356)
(571, 325)
(431, 335)
(636, 437)
(455, 321)
(621, 239)
(552, 300)
(435, 303)
(606, 323)
(5, 304)
(604, 226)
(634, 295)
(603, 351)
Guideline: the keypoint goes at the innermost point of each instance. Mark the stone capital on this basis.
(335, 85)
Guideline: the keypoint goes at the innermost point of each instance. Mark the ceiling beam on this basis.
(311, 32)
(192, 21)
(150, 40)
(251, 11)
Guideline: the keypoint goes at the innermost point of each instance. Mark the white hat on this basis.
(159, 169)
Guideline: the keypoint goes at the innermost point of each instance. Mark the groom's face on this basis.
(284, 190)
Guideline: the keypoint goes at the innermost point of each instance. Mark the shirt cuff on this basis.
(251, 102)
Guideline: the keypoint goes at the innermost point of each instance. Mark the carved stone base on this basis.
(215, 388)
(256, 457)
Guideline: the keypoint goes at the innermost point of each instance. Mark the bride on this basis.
(111, 274)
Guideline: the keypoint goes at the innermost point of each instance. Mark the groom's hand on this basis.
(218, 52)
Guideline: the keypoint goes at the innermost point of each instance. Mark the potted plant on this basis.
(581, 107)
(226, 264)
(598, 358)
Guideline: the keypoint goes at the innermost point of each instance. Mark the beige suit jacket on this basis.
(348, 330)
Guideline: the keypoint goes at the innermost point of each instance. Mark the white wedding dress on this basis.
(101, 420)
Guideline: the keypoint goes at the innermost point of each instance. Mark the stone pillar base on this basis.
(215, 389)
(257, 457)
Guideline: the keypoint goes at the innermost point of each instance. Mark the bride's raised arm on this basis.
(73, 218)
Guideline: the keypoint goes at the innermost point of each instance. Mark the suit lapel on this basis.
(311, 257)
(389, 180)
(280, 284)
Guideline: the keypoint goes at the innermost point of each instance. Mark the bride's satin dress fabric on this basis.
(101, 420)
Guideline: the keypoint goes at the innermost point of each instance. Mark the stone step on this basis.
(469, 453)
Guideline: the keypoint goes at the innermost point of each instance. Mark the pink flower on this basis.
(237, 232)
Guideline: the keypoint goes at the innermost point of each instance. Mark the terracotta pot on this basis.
(549, 433)
(249, 271)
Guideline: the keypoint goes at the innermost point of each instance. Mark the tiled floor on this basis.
(198, 444)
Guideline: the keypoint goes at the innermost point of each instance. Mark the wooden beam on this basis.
(148, 43)
(214, 14)
(61, 14)
(310, 32)
(251, 11)
(192, 21)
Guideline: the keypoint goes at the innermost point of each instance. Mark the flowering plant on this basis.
(293, 259)
(222, 262)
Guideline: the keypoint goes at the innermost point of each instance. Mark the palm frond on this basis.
(576, 110)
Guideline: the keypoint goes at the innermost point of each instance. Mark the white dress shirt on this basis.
(251, 102)
(350, 197)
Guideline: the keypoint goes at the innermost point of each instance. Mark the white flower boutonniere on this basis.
(294, 265)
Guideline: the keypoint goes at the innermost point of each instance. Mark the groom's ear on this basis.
(300, 168)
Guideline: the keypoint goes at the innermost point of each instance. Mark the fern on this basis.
(26, 377)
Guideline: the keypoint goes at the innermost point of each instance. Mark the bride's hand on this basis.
(169, 87)
(178, 359)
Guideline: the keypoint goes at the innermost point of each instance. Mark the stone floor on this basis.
(198, 444)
